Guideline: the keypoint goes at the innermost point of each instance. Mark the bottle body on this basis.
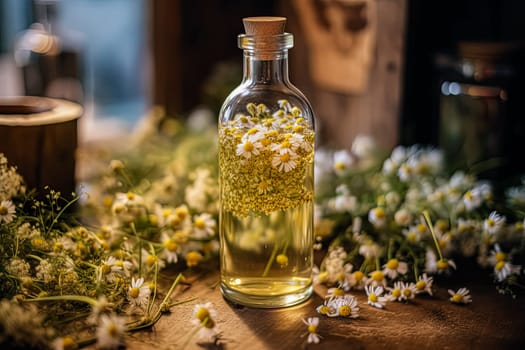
(266, 154)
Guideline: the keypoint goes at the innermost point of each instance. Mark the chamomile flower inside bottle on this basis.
(266, 156)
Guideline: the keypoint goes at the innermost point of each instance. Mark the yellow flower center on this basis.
(263, 185)
(323, 277)
(358, 275)
(180, 237)
(252, 131)
(378, 276)
(420, 285)
(392, 264)
(248, 146)
(181, 213)
(339, 166)
(130, 196)
(193, 258)
(200, 224)
(134, 292)
(442, 264)
(58, 246)
(396, 292)
(500, 256)
(105, 269)
(407, 292)
(411, 237)
(421, 228)
(323, 310)
(68, 343)
(468, 195)
(340, 276)
(339, 292)
(345, 310)
(107, 201)
(202, 313)
(379, 213)
(285, 144)
(170, 245)
(457, 298)
(500, 265)
(372, 297)
(298, 129)
(312, 328)
(153, 219)
(282, 260)
(491, 223)
(285, 157)
(151, 260)
(119, 263)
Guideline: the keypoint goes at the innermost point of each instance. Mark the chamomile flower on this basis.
(248, 148)
(203, 226)
(395, 292)
(204, 316)
(494, 223)
(504, 269)
(336, 292)
(7, 211)
(109, 269)
(171, 249)
(424, 284)
(377, 278)
(343, 162)
(357, 280)
(461, 296)
(394, 267)
(284, 161)
(193, 258)
(408, 291)
(138, 293)
(110, 332)
(326, 308)
(375, 296)
(445, 266)
(377, 217)
(312, 323)
(472, 199)
(149, 260)
(345, 306)
(364, 146)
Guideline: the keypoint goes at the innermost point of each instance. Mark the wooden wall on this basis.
(188, 41)
(372, 109)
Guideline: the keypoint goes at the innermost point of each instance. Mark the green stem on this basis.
(426, 216)
(389, 250)
(80, 298)
(270, 261)
(55, 219)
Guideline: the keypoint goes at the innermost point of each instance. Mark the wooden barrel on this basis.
(39, 136)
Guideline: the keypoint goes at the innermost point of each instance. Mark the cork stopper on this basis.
(263, 26)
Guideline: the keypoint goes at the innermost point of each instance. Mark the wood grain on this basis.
(492, 321)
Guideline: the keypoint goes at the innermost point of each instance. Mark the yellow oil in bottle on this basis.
(266, 261)
(266, 207)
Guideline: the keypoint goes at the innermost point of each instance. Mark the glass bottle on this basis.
(266, 156)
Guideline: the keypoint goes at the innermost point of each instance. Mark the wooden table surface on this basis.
(491, 321)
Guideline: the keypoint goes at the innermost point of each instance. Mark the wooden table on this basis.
(491, 321)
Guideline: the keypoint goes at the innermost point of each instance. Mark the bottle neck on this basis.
(265, 69)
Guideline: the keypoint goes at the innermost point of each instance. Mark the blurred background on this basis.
(445, 73)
